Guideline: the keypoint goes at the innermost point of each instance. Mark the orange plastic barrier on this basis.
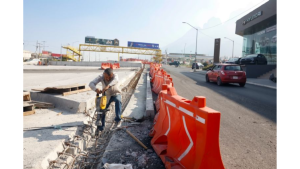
(115, 65)
(154, 67)
(160, 77)
(186, 133)
(105, 66)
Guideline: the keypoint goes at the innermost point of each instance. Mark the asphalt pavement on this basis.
(248, 117)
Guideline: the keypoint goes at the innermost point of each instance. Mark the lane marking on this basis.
(200, 119)
(169, 121)
(191, 141)
(186, 111)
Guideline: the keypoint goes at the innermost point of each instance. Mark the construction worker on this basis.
(110, 86)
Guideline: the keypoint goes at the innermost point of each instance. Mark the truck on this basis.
(176, 63)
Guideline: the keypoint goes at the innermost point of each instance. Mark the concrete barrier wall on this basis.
(254, 71)
(97, 64)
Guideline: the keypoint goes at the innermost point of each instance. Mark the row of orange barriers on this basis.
(185, 132)
(110, 65)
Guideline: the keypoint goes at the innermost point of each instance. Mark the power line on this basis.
(206, 35)
(233, 17)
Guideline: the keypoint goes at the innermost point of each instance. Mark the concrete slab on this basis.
(136, 107)
(76, 103)
(39, 80)
(149, 99)
(122, 64)
(42, 145)
(89, 67)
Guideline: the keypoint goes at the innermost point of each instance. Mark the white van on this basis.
(32, 62)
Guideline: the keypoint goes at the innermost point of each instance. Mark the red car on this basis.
(226, 73)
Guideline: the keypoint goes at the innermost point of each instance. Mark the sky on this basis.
(62, 22)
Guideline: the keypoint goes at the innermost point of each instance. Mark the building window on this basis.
(262, 39)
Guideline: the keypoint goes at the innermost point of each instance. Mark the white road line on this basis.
(191, 141)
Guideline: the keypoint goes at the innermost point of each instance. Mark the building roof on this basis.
(256, 16)
(26, 51)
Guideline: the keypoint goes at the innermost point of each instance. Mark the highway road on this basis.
(248, 117)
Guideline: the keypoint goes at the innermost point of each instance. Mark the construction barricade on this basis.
(154, 67)
(105, 66)
(115, 65)
(160, 77)
(186, 132)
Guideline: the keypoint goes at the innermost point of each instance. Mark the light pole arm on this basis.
(191, 25)
(196, 39)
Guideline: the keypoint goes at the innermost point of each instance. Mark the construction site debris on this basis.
(142, 161)
(30, 105)
(28, 109)
(117, 166)
(137, 140)
(41, 105)
(26, 96)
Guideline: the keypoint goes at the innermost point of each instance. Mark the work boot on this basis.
(119, 123)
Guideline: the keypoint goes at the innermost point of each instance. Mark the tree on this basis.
(205, 64)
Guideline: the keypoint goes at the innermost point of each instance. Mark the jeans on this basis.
(118, 109)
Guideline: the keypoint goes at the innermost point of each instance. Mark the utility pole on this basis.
(89, 56)
(60, 52)
(39, 50)
(36, 47)
(44, 45)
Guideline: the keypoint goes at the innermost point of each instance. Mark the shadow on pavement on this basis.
(258, 99)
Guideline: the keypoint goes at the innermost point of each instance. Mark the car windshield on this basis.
(233, 67)
(233, 59)
(250, 56)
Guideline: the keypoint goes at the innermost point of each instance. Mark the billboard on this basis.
(93, 40)
(143, 45)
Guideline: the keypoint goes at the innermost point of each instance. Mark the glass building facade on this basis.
(261, 38)
(259, 31)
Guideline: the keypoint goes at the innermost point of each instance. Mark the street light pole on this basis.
(232, 44)
(196, 42)
(184, 49)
